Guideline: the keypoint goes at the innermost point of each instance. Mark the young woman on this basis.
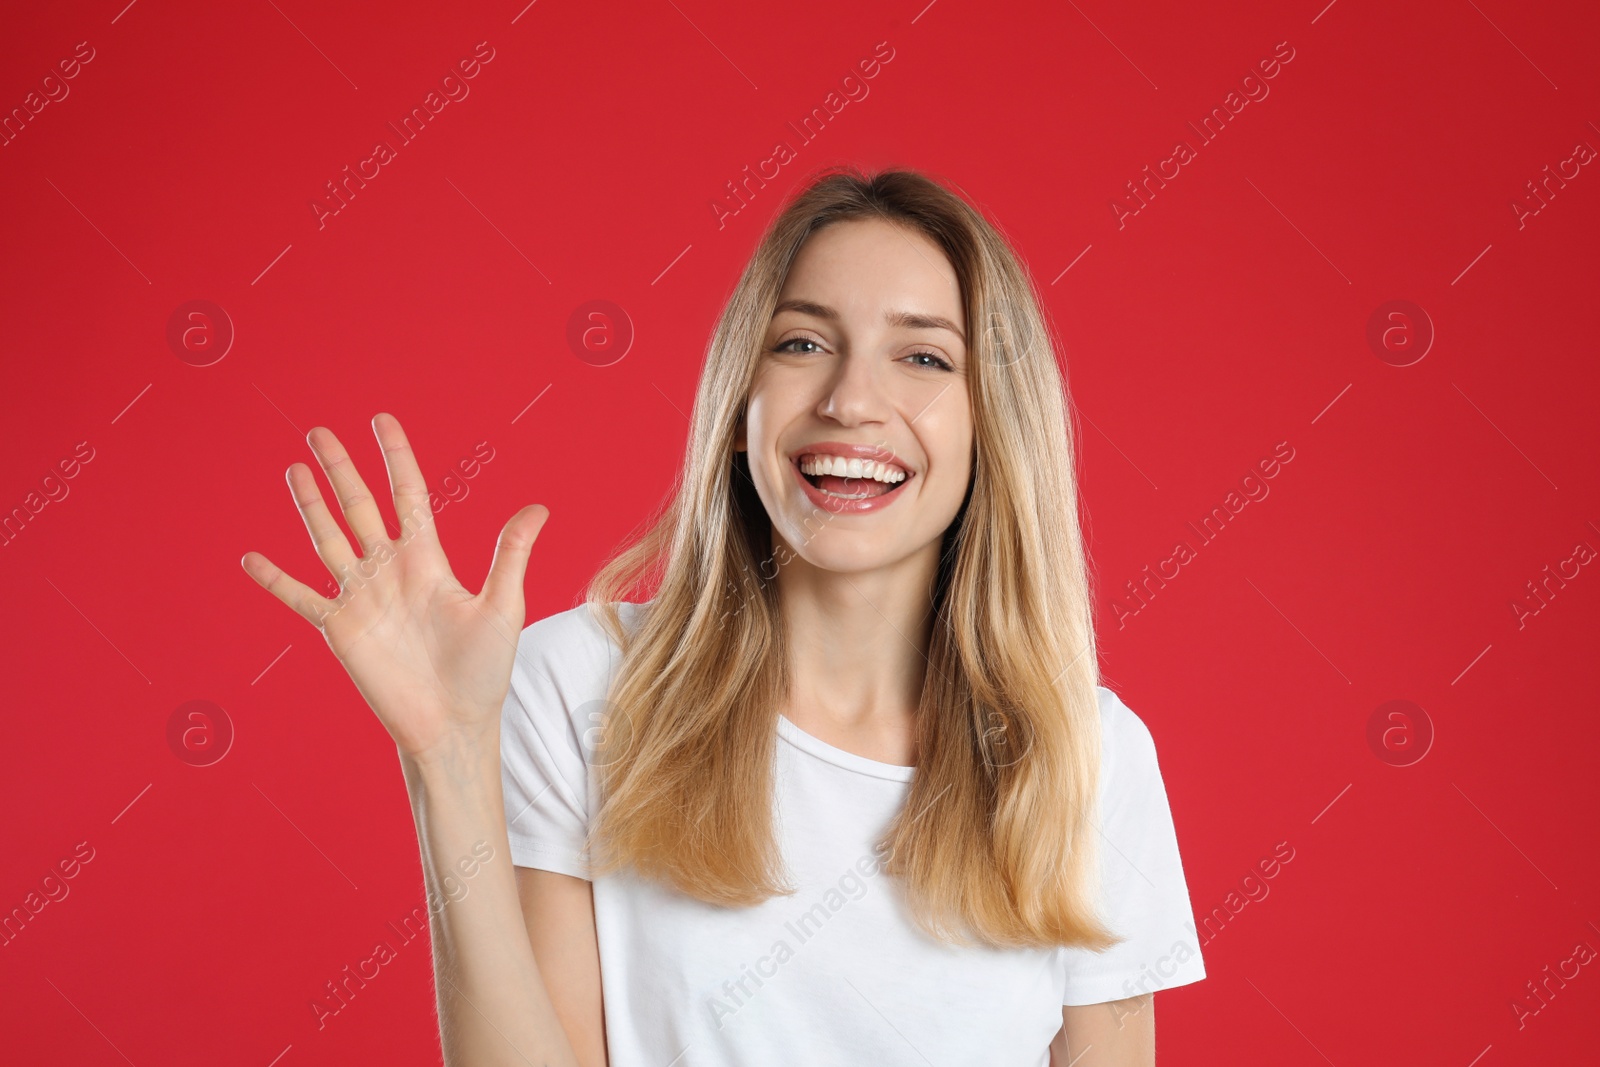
(838, 784)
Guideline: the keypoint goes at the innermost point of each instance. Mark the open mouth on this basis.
(851, 479)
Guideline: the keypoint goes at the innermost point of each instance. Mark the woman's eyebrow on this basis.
(909, 319)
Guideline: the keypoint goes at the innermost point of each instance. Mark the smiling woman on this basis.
(858, 638)
(917, 682)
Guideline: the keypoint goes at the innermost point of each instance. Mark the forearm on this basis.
(494, 1007)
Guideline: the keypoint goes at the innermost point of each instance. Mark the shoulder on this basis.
(1118, 721)
(1127, 749)
(565, 663)
(571, 640)
(576, 629)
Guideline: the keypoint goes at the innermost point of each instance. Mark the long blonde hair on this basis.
(997, 839)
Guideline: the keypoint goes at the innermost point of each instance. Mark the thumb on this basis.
(502, 590)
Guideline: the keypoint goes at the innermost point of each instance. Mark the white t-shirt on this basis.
(836, 973)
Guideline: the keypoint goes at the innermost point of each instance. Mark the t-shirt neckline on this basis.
(819, 748)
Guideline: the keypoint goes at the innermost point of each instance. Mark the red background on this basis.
(1226, 316)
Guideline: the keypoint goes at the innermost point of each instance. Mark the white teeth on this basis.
(840, 467)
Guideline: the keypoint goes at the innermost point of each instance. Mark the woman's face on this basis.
(859, 423)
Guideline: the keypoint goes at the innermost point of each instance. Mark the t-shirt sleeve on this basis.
(1143, 894)
(552, 712)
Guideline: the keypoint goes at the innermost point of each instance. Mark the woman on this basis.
(834, 791)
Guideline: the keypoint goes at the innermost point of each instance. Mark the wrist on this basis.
(458, 757)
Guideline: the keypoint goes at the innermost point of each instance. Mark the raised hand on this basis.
(432, 659)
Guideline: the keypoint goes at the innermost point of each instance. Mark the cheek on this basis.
(778, 398)
(946, 433)
(762, 425)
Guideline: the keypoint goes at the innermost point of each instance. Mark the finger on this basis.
(326, 537)
(502, 590)
(307, 604)
(355, 500)
(411, 503)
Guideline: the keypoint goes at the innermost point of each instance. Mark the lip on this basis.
(850, 451)
(837, 505)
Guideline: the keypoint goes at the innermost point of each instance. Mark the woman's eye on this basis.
(938, 361)
(796, 341)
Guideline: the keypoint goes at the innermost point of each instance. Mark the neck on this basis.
(858, 647)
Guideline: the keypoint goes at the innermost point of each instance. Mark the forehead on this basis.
(863, 267)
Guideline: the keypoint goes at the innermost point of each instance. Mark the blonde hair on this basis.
(997, 839)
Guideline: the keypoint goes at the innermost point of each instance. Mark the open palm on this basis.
(432, 659)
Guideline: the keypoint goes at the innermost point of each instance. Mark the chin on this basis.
(842, 551)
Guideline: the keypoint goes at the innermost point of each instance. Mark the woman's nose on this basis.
(856, 392)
